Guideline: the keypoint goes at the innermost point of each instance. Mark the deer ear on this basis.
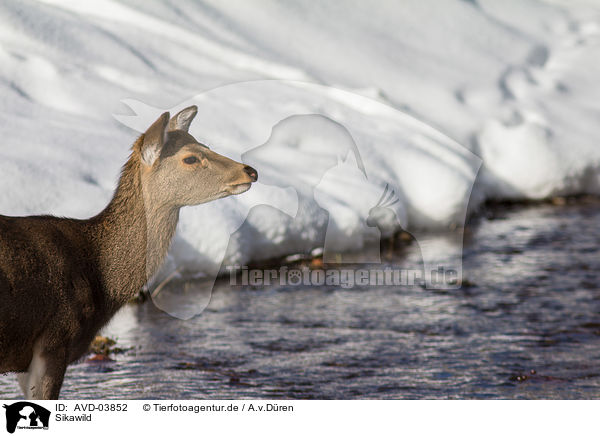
(183, 119)
(154, 139)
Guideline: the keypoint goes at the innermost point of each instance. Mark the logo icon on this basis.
(340, 173)
(26, 415)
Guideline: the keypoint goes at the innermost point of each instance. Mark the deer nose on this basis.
(251, 172)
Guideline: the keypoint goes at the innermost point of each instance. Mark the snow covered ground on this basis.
(448, 102)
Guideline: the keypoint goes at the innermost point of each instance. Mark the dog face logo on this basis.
(24, 414)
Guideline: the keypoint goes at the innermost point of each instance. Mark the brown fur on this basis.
(62, 279)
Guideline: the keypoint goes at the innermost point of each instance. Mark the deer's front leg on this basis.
(45, 374)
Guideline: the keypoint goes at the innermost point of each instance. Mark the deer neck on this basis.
(133, 236)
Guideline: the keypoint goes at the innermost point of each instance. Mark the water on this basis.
(527, 325)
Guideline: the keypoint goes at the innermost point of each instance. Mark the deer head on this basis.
(382, 212)
(177, 170)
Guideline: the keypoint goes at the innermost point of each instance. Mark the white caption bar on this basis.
(275, 417)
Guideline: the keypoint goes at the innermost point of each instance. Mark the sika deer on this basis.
(62, 279)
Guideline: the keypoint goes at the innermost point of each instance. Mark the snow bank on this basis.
(418, 98)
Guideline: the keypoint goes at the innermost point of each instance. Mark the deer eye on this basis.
(190, 160)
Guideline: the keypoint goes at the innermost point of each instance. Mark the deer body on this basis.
(61, 279)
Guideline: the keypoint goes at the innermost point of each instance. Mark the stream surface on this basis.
(525, 325)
